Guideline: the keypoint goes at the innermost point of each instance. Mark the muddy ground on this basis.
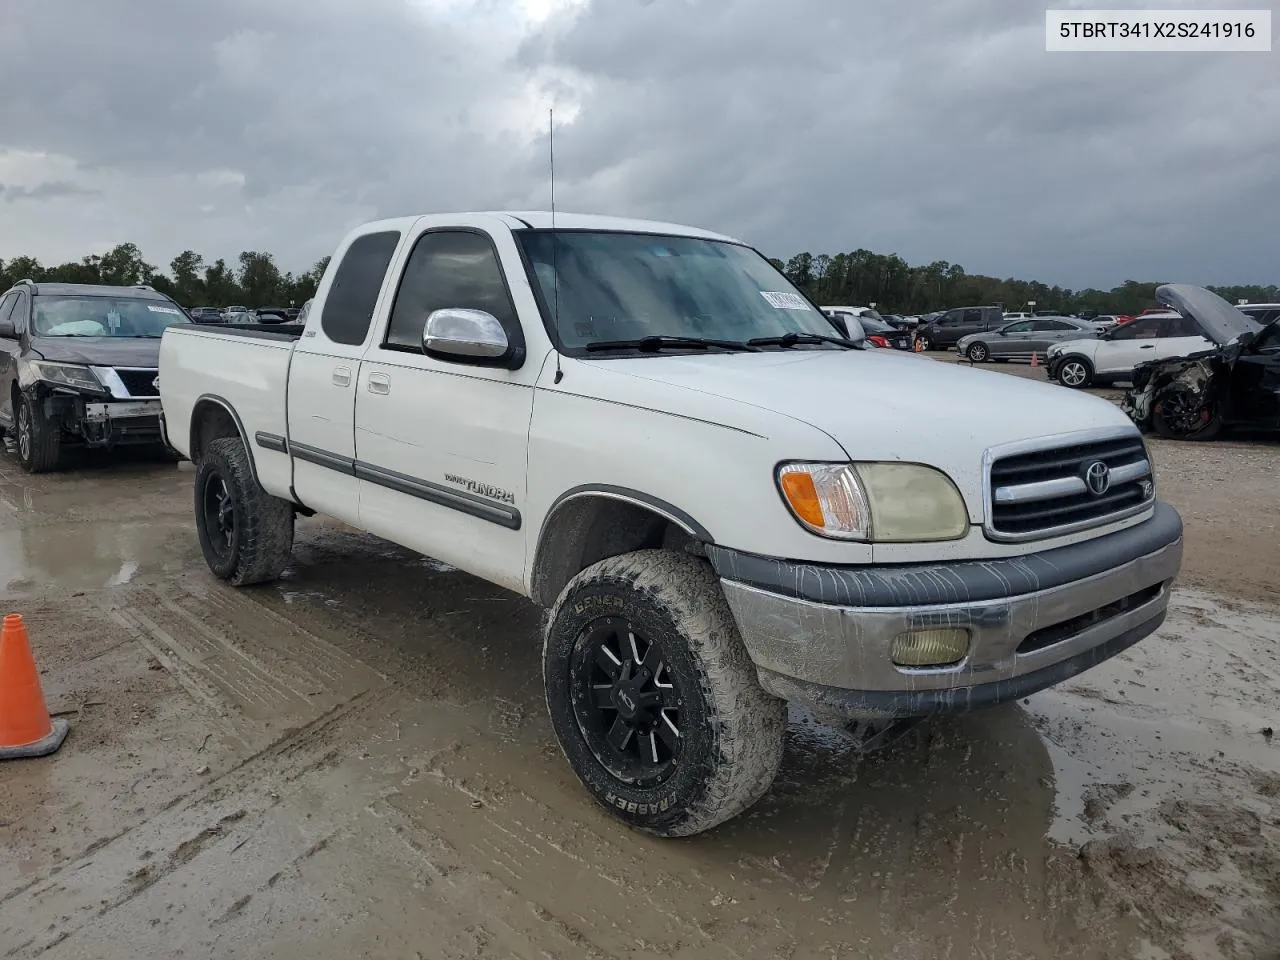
(356, 762)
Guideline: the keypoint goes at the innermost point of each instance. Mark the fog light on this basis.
(931, 647)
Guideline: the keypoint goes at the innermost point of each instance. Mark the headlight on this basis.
(874, 502)
(66, 375)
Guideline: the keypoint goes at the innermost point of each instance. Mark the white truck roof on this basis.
(541, 220)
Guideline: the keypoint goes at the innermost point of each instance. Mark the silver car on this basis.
(1023, 339)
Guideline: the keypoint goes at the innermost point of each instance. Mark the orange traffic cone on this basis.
(1035, 359)
(25, 727)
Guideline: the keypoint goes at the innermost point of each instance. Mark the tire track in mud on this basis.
(255, 671)
(271, 688)
(111, 872)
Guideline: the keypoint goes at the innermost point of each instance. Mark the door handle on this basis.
(342, 376)
(379, 383)
(1147, 346)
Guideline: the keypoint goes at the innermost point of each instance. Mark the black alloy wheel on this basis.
(626, 702)
(219, 512)
(1182, 414)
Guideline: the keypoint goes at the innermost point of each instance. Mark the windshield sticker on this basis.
(170, 310)
(785, 301)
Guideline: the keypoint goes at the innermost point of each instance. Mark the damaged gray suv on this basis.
(78, 368)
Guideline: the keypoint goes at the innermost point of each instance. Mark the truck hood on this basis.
(98, 351)
(876, 404)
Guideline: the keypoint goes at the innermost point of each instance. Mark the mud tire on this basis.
(732, 731)
(39, 442)
(262, 526)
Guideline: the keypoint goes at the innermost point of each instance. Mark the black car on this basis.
(884, 334)
(78, 367)
(946, 329)
(206, 314)
(1234, 384)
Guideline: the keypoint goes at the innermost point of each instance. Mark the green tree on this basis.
(188, 280)
(260, 279)
(123, 265)
(221, 289)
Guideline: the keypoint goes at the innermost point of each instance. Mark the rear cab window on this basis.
(347, 310)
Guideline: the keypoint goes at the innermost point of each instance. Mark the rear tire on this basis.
(38, 440)
(653, 697)
(1075, 372)
(245, 533)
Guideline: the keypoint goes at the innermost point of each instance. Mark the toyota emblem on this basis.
(1098, 477)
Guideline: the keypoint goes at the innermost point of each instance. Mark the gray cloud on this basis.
(50, 190)
(939, 129)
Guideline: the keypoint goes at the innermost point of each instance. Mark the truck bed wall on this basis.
(244, 372)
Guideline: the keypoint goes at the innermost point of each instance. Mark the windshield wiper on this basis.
(652, 344)
(792, 339)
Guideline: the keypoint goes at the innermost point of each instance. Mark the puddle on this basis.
(93, 554)
(1164, 781)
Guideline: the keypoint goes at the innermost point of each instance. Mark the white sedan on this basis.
(1114, 353)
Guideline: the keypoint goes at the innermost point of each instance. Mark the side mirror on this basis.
(455, 333)
(838, 322)
(854, 331)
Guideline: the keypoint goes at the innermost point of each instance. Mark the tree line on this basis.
(254, 280)
(860, 278)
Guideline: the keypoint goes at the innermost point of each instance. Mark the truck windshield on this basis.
(104, 317)
(625, 286)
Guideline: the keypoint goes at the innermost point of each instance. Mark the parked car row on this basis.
(238, 314)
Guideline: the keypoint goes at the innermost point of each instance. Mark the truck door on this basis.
(323, 374)
(441, 444)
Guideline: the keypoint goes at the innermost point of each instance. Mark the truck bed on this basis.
(265, 331)
(241, 368)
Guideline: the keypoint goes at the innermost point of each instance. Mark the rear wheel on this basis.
(653, 697)
(1075, 372)
(39, 441)
(245, 533)
(978, 352)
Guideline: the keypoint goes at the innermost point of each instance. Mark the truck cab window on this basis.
(348, 308)
(450, 268)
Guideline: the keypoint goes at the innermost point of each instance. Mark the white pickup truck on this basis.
(718, 494)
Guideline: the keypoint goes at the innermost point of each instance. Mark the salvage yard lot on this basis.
(357, 762)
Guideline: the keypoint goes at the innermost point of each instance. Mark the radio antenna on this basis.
(555, 240)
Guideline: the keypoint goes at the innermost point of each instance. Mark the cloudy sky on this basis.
(939, 129)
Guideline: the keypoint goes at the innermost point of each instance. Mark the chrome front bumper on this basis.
(822, 635)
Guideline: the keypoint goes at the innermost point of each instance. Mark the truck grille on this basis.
(138, 382)
(1049, 492)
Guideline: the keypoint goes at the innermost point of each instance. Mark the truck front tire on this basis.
(245, 533)
(653, 697)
